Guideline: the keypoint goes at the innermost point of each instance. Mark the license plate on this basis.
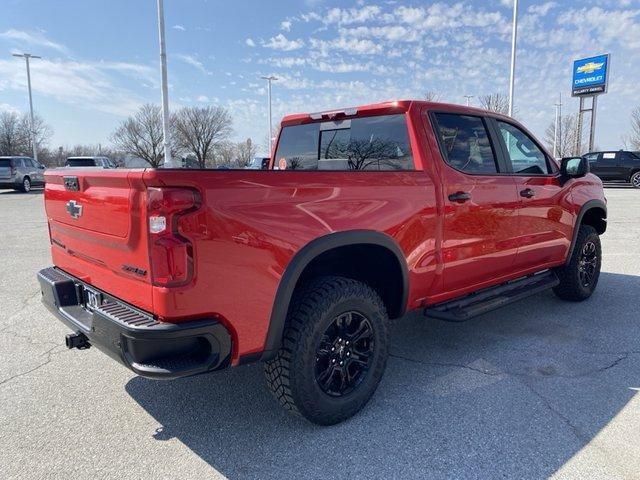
(92, 299)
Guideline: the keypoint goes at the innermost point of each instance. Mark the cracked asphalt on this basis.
(538, 389)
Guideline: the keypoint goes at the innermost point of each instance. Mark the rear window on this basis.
(465, 143)
(5, 162)
(366, 143)
(81, 162)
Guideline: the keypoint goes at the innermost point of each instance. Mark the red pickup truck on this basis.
(365, 213)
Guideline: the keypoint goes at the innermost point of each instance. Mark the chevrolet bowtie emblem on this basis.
(74, 209)
(590, 67)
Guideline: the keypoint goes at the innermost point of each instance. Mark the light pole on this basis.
(468, 97)
(26, 57)
(556, 132)
(270, 79)
(168, 162)
(514, 35)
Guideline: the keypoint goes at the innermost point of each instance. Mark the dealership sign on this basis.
(590, 75)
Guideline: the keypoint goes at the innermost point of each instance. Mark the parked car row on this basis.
(24, 173)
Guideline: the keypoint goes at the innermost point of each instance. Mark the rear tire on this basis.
(635, 180)
(26, 185)
(334, 350)
(579, 277)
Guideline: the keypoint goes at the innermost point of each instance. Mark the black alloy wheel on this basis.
(344, 353)
(587, 264)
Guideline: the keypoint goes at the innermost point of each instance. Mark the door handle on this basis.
(527, 193)
(460, 197)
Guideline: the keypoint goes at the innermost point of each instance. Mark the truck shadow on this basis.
(515, 394)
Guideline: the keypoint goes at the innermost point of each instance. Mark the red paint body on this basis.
(251, 223)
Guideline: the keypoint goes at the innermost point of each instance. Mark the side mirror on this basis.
(574, 167)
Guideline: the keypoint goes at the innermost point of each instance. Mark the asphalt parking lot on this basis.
(540, 388)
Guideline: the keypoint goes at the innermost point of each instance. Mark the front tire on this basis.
(635, 180)
(334, 350)
(579, 277)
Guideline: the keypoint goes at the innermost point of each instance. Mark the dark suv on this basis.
(620, 166)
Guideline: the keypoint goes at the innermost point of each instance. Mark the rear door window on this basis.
(591, 158)
(365, 143)
(607, 159)
(465, 143)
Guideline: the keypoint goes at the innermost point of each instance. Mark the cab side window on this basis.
(465, 143)
(525, 156)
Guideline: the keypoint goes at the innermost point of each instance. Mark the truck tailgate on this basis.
(97, 221)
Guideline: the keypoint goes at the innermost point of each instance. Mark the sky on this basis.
(101, 59)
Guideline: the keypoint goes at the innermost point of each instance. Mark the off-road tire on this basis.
(291, 376)
(571, 287)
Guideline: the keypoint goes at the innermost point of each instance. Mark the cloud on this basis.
(285, 25)
(352, 15)
(5, 107)
(354, 46)
(202, 99)
(280, 42)
(37, 39)
(250, 42)
(193, 61)
(179, 27)
(97, 86)
(541, 9)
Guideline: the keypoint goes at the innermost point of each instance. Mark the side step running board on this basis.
(461, 309)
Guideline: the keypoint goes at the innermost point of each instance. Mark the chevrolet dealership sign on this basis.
(590, 75)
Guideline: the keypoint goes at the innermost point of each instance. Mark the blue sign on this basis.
(590, 75)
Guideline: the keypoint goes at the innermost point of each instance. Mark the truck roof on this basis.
(382, 108)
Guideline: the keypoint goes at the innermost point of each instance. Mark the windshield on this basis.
(5, 163)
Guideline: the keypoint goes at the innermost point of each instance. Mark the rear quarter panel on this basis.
(253, 223)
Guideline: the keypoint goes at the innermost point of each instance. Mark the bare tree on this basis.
(245, 151)
(41, 131)
(366, 154)
(225, 153)
(15, 133)
(431, 96)
(141, 135)
(495, 102)
(199, 130)
(634, 135)
(567, 138)
(11, 136)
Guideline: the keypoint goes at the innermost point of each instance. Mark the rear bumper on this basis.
(150, 348)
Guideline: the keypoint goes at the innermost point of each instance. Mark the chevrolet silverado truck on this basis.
(364, 214)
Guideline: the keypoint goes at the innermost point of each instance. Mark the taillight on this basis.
(170, 252)
(14, 170)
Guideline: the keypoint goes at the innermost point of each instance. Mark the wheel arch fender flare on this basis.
(304, 257)
(589, 205)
